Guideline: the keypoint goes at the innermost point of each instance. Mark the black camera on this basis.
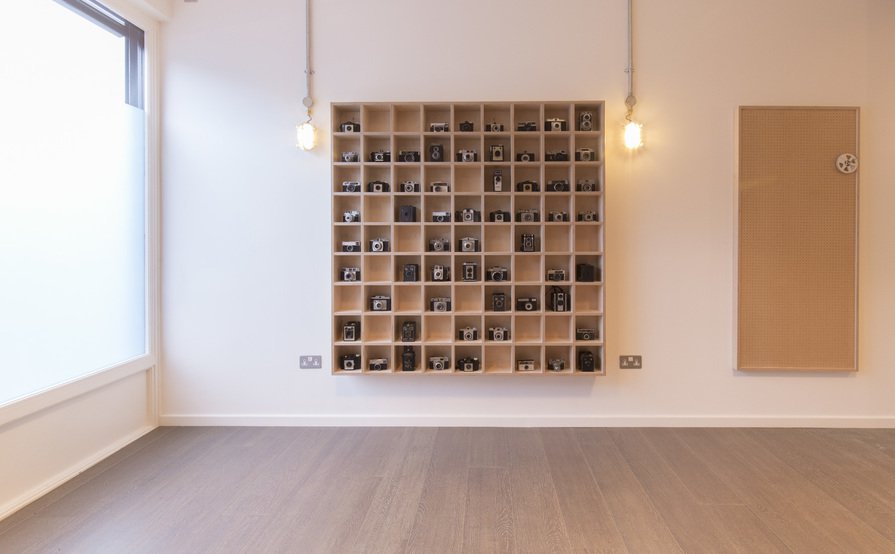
(409, 186)
(526, 304)
(349, 156)
(468, 244)
(467, 334)
(582, 333)
(556, 156)
(560, 300)
(349, 127)
(468, 215)
(380, 303)
(558, 216)
(497, 181)
(439, 128)
(379, 245)
(378, 364)
(436, 152)
(468, 364)
(499, 216)
(585, 155)
(349, 362)
(528, 216)
(558, 185)
(467, 156)
(527, 126)
(350, 186)
(586, 361)
(350, 274)
(439, 363)
(528, 243)
(586, 185)
(406, 214)
(586, 121)
(588, 216)
(526, 156)
(587, 273)
(439, 245)
(408, 359)
(351, 216)
(466, 126)
(493, 127)
(381, 156)
(439, 187)
(498, 333)
(440, 272)
(527, 186)
(439, 304)
(498, 302)
(378, 186)
(350, 246)
(470, 271)
(441, 216)
(556, 124)
(408, 156)
(408, 331)
(497, 273)
(351, 331)
(525, 365)
(495, 153)
(556, 364)
(556, 274)
(411, 273)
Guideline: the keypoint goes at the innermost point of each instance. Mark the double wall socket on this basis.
(310, 362)
(630, 362)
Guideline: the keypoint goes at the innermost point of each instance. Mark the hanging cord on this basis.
(307, 101)
(631, 100)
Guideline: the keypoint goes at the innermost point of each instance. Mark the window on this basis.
(72, 194)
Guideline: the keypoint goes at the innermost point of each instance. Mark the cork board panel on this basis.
(797, 240)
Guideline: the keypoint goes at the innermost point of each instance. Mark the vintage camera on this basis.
(381, 156)
(408, 359)
(439, 186)
(588, 216)
(527, 186)
(466, 126)
(587, 273)
(349, 156)
(350, 186)
(350, 246)
(525, 365)
(409, 186)
(495, 153)
(351, 331)
(582, 333)
(499, 216)
(527, 126)
(560, 300)
(558, 216)
(349, 127)
(556, 364)
(408, 331)
(528, 243)
(499, 302)
(408, 156)
(556, 274)
(411, 273)
(468, 244)
(585, 155)
(439, 272)
(406, 214)
(380, 303)
(558, 185)
(498, 333)
(526, 156)
(493, 127)
(467, 156)
(586, 121)
(439, 128)
(439, 363)
(379, 245)
(586, 361)
(439, 245)
(468, 364)
(528, 216)
(349, 362)
(439, 304)
(556, 156)
(351, 216)
(436, 152)
(526, 304)
(586, 185)
(350, 274)
(469, 215)
(378, 186)
(497, 273)
(468, 334)
(556, 124)
(470, 271)
(497, 181)
(441, 216)
(378, 364)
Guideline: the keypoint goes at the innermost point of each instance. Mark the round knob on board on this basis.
(847, 163)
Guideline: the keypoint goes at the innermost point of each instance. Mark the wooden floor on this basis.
(339, 490)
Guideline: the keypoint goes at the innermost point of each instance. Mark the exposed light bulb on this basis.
(306, 135)
(633, 135)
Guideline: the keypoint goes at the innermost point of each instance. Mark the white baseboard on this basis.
(72, 471)
(262, 420)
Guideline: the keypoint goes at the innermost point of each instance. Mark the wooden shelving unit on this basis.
(536, 338)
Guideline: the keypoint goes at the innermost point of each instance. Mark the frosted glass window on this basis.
(72, 200)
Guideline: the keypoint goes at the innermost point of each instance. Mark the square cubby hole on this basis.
(408, 238)
(527, 268)
(437, 269)
(377, 119)
(468, 298)
(350, 176)
(587, 208)
(408, 150)
(347, 209)
(528, 299)
(591, 270)
(471, 202)
(527, 113)
(498, 179)
(437, 180)
(558, 359)
(347, 329)
(497, 268)
(469, 359)
(557, 328)
(467, 238)
(376, 145)
(588, 237)
(347, 268)
(437, 329)
(558, 269)
(348, 299)
(560, 206)
(557, 179)
(467, 114)
(436, 114)
(377, 208)
(437, 238)
(407, 297)
(437, 209)
(467, 149)
(530, 356)
(467, 268)
(498, 299)
(503, 324)
(528, 238)
(408, 359)
(381, 356)
(376, 237)
(408, 267)
(558, 238)
(347, 238)
(557, 150)
(596, 354)
(378, 299)
(527, 149)
(527, 207)
(377, 177)
(587, 298)
(463, 323)
(348, 113)
(468, 179)
(377, 328)
(408, 119)
(587, 117)
(408, 210)
(497, 119)
(437, 149)
(344, 146)
(527, 178)
(494, 204)
(587, 143)
(435, 296)
(587, 179)
(496, 149)
(498, 237)
(408, 326)
(498, 358)
(587, 329)
(558, 298)
(407, 180)
(377, 269)
(438, 359)
(345, 355)
(561, 112)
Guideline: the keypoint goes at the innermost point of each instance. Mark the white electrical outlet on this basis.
(310, 362)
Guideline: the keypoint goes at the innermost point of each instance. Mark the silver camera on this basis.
(351, 216)
(439, 128)
(440, 273)
(586, 185)
(378, 364)
(528, 216)
(350, 246)
(585, 155)
(467, 156)
(469, 215)
(556, 364)
(350, 186)
(557, 216)
(525, 365)
(379, 245)
(440, 304)
(439, 245)
(350, 274)
(380, 303)
(497, 181)
(587, 216)
(381, 156)
(556, 124)
(468, 244)
(556, 274)
(409, 186)
(468, 334)
(498, 333)
(498, 273)
(439, 187)
(349, 156)
(493, 127)
(586, 121)
(439, 363)
(349, 127)
(441, 217)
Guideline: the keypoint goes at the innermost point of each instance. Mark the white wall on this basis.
(246, 216)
